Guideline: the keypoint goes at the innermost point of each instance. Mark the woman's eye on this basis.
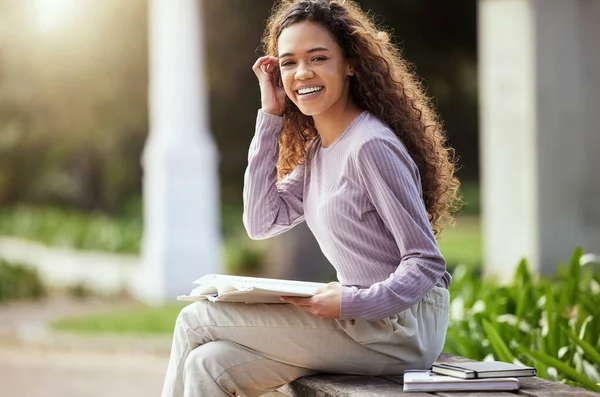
(287, 63)
(319, 58)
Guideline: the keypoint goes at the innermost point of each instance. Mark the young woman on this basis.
(362, 159)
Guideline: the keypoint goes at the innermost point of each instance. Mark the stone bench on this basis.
(388, 386)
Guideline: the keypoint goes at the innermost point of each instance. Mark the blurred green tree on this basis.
(73, 100)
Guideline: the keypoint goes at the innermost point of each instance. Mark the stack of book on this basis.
(468, 376)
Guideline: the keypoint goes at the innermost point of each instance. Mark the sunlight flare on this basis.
(51, 14)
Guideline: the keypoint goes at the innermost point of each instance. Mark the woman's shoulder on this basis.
(376, 143)
(371, 132)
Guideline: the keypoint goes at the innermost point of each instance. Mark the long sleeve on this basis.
(392, 179)
(270, 207)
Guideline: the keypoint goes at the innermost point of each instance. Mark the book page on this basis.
(228, 283)
(283, 289)
(217, 287)
(249, 296)
(255, 281)
(225, 288)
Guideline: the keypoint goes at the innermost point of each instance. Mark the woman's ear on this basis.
(350, 71)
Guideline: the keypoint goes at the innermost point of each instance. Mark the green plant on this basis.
(462, 243)
(69, 228)
(471, 197)
(243, 256)
(79, 291)
(17, 281)
(553, 324)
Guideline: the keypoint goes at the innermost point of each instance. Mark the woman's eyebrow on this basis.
(316, 49)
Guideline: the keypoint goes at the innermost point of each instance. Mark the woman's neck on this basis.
(332, 123)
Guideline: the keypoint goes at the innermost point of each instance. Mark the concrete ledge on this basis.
(343, 385)
(99, 271)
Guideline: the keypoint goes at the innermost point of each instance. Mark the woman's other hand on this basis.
(325, 304)
(272, 94)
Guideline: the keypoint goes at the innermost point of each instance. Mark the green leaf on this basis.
(458, 343)
(552, 337)
(589, 350)
(522, 274)
(500, 349)
(561, 367)
(574, 275)
(523, 302)
(542, 370)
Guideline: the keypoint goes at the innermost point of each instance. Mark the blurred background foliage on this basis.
(73, 115)
(18, 281)
(73, 100)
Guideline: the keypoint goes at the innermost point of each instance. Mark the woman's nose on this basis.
(303, 72)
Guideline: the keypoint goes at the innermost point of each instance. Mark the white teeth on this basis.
(304, 91)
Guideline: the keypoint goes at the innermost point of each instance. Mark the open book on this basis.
(225, 288)
(428, 381)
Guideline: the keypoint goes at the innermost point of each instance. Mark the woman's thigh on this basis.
(417, 335)
(281, 332)
(236, 370)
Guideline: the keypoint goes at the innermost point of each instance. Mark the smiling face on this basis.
(314, 71)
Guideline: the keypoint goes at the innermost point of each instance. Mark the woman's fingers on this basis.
(266, 58)
(266, 65)
(328, 287)
(259, 62)
(302, 302)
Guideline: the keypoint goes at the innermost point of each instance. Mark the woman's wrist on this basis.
(271, 112)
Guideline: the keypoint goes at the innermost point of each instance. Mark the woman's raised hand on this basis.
(272, 95)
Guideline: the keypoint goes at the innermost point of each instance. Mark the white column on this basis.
(539, 101)
(181, 199)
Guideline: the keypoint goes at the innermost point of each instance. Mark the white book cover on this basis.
(226, 288)
(429, 381)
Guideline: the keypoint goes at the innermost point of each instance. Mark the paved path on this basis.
(33, 364)
(34, 373)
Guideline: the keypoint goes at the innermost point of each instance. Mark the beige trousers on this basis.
(236, 349)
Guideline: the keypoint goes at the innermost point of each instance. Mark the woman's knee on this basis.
(204, 360)
(237, 370)
(189, 316)
(212, 362)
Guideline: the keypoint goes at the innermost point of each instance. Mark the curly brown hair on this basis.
(383, 84)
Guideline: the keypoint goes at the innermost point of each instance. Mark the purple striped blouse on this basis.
(362, 199)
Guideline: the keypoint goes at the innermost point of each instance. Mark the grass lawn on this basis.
(460, 244)
(132, 320)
